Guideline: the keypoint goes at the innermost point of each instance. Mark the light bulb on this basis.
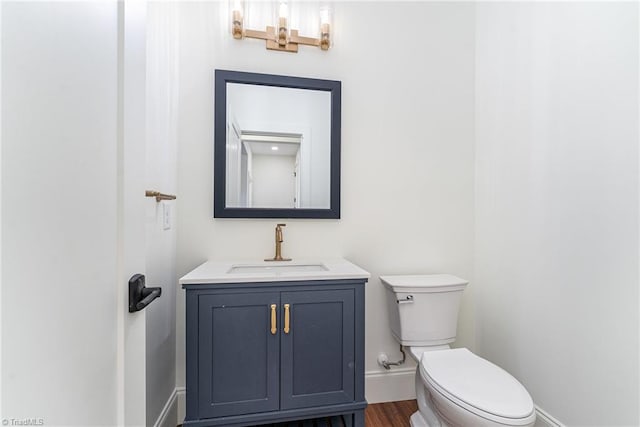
(325, 30)
(237, 18)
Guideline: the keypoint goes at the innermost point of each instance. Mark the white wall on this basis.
(407, 151)
(59, 166)
(557, 204)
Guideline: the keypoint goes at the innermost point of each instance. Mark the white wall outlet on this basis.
(166, 216)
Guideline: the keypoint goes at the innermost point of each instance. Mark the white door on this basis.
(73, 226)
(132, 202)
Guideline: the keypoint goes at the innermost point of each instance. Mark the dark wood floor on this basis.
(390, 414)
(336, 421)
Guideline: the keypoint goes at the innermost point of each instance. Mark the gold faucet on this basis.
(279, 240)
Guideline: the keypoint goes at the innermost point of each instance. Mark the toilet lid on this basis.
(477, 382)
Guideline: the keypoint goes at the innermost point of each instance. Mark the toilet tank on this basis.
(423, 309)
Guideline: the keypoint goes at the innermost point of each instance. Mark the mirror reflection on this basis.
(278, 147)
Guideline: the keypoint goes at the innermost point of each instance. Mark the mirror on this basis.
(277, 146)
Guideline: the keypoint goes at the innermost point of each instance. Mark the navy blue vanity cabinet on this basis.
(270, 352)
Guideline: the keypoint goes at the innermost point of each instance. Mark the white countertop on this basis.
(274, 271)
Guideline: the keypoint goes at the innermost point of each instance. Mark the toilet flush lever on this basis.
(408, 299)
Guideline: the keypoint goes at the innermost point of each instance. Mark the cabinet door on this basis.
(317, 355)
(238, 355)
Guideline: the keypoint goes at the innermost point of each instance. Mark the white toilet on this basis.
(454, 387)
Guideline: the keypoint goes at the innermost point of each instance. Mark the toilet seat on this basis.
(477, 385)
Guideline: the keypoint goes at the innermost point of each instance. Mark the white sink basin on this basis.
(276, 268)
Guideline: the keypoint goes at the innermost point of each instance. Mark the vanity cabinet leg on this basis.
(355, 420)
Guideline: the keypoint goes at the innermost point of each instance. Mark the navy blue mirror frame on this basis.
(222, 77)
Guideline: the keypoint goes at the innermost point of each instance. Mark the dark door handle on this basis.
(139, 295)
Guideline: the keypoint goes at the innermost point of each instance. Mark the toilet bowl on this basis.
(454, 387)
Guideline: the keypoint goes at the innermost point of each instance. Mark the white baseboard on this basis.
(169, 414)
(543, 419)
(390, 386)
(181, 395)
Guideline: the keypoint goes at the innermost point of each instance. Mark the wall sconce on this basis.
(282, 38)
